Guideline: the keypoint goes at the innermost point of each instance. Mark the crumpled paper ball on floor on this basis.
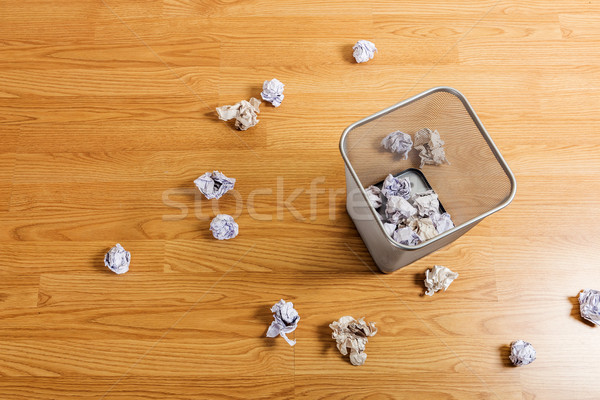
(117, 259)
(363, 51)
(521, 353)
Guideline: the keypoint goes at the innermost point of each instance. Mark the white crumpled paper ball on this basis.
(374, 196)
(117, 259)
(521, 353)
(406, 236)
(223, 227)
(426, 202)
(285, 320)
(273, 92)
(442, 222)
(389, 228)
(214, 185)
(438, 278)
(398, 210)
(363, 51)
(394, 186)
(398, 142)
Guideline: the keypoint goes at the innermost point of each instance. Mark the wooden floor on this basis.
(107, 116)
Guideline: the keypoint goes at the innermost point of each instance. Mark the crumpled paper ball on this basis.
(389, 228)
(273, 92)
(246, 117)
(431, 147)
(406, 236)
(363, 51)
(442, 222)
(244, 112)
(286, 320)
(589, 305)
(117, 259)
(521, 353)
(374, 196)
(393, 186)
(353, 334)
(214, 185)
(423, 227)
(398, 209)
(223, 227)
(426, 202)
(438, 278)
(398, 142)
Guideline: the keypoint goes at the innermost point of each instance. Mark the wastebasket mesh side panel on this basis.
(473, 184)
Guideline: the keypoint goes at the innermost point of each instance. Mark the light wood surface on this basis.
(107, 109)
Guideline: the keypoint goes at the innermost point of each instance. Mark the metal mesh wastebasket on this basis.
(477, 183)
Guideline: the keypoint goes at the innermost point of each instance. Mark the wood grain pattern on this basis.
(107, 116)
